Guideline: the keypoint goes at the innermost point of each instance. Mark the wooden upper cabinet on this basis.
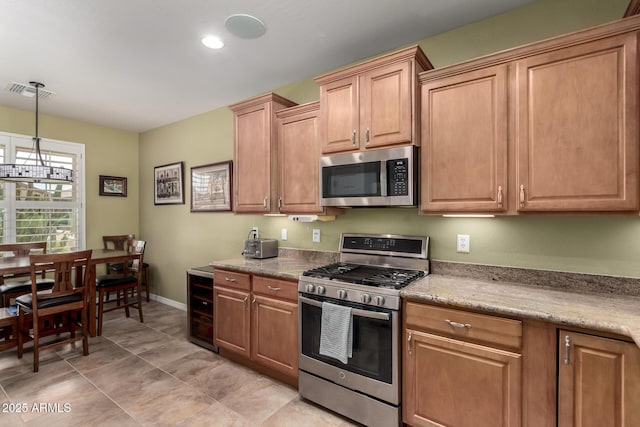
(372, 104)
(464, 141)
(598, 381)
(299, 151)
(577, 127)
(255, 151)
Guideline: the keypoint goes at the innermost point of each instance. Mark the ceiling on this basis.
(138, 64)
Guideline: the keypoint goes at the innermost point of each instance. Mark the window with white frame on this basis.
(35, 212)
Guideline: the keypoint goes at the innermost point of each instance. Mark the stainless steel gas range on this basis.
(361, 292)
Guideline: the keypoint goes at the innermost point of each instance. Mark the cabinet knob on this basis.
(500, 196)
(522, 196)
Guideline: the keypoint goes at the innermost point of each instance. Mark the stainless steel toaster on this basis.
(260, 248)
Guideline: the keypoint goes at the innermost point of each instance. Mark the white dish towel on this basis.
(336, 332)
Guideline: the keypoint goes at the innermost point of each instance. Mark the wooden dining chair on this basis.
(130, 279)
(10, 288)
(59, 311)
(120, 242)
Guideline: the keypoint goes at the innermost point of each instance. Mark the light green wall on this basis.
(107, 152)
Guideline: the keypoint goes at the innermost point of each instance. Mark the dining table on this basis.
(12, 265)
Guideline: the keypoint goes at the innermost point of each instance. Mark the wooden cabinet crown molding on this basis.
(262, 99)
(412, 52)
(309, 107)
(610, 29)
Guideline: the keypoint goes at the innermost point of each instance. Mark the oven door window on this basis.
(372, 342)
(353, 180)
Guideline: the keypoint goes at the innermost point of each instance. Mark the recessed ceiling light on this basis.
(212, 42)
(245, 26)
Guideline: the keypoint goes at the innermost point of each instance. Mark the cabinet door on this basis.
(253, 158)
(274, 341)
(298, 139)
(340, 115)
(459, 384)
(464, 142)
(599, 382)
(577, 131)
(231, 320)
(386, 111)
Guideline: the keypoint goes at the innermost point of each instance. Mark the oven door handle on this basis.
(354, 311)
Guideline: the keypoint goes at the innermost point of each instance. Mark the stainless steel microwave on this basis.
(385, 177)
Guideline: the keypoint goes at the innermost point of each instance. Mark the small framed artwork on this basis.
(113, 186)
(212, 187)
(169, 184)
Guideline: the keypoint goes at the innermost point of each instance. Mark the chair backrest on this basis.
(117, 242)
(136, 247)
(24, 249)
(63, 267)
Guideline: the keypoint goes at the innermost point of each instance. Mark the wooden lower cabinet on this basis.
(274, 338)
(598, 381)
(455, 383)
(260, 322)
(232, 320)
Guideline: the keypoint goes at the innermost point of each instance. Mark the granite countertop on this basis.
(619, 314)
(288, 265)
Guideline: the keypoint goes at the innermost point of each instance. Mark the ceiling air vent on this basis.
(28, 90)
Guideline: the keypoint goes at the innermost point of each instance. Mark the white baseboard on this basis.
(169, 302)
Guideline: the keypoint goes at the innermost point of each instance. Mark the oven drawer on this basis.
(460, 324)
(275, 288)
(231, 279)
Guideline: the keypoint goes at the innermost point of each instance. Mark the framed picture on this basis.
(113, 186)
(169, 184)
(212, 187)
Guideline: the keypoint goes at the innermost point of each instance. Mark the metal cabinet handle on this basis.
(229, 279)
(522, 196)
(500, 196)
(279, 202)
(409, 342)
(458, 324)
(244, 302)
(264, 202)
(353, 137)
(253, 301)
(272, 288)
(366, 136)
(567, 349)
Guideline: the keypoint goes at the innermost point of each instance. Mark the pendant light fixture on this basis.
(38, 172)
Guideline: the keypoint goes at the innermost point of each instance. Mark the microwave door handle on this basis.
(383, 178)
(355, 311)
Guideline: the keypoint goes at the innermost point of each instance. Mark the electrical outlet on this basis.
(283, 234)
(316, 235)
(463, 243)
(255, 232)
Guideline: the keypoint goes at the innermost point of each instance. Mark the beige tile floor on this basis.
(146, 374)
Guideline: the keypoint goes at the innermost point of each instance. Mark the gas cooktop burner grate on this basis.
(368, 275)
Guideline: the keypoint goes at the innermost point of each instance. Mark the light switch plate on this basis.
(316, 235)
(283, 234)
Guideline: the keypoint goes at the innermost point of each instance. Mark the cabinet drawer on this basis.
(231, 279)
(465, 325)
(276, 288)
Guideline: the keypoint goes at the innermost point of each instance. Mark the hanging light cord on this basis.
(36, 138)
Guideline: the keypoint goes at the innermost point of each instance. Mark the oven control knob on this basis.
(366, 298)
(310, 288)
(320, 290)
(342, 294)
(379, 300)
